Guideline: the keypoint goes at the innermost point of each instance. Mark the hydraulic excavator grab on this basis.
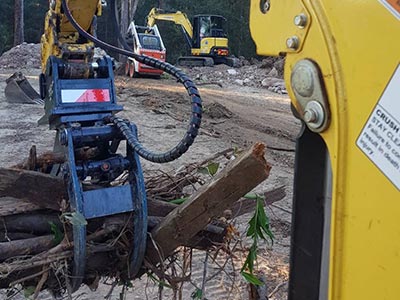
(343, 75)
(80, 105)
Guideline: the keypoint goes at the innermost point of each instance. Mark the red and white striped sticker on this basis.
(86, 95)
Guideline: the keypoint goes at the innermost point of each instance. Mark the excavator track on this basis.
(195, 61)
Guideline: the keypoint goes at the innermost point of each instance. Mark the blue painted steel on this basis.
(55, 108)
(95, 134)
(76, 201)
(104, 170)
(136, 180)
(82, 125)
(107, 201)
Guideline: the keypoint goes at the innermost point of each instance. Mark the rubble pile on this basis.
(28, 56)
(266, 73)
(21, 56)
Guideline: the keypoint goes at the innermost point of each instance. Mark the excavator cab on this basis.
(208, 26)
(209, 36)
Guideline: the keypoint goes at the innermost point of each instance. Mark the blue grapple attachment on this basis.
(79, 99)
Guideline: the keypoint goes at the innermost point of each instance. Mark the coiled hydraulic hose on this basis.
(195, 119)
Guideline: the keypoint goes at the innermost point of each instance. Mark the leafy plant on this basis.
(197, 294)
(258, 230)
(57, 233)
(29, 291)
(75, 218)
(160, 282)
(179, 200)
(211, 169)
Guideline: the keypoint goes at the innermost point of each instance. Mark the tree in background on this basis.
(235, 11)
(18, 22)
(6, 25)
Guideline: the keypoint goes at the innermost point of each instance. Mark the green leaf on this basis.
(197, 294)
(203, 170)
(212, 168)
(158, 281)
(57, 233)
(76, 218)
(29, 291)
(251, 278)
(179, 200)
(253, 196)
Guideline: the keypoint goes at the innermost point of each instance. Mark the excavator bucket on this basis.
(19, 90)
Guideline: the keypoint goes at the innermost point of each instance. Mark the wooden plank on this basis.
(26, 246)
(184, 222)
(41, 189)
(22, 191)
(13, 206)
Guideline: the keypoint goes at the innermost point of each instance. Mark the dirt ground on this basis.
(234, 115)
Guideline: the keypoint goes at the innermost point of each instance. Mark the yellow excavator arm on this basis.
(343, 75)
(178, 18)
(60, 38)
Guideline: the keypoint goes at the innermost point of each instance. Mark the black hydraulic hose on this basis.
(195, 118)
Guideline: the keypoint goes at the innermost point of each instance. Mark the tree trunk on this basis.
(133, 8)
(18, 22)
(123, 25)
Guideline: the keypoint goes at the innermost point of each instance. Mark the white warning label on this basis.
(380, 137)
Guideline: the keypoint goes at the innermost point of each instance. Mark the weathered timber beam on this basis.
(41, 189)
(13, 206)
(185, 221)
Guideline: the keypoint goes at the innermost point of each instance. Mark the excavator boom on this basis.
(60, 39)
(178, 18)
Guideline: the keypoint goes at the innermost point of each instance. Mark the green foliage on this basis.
(197, 294)
(211, 169)
(34, 12)
(160, 282)
(29, 291)
(235, 11)
(179, 200)
(75, 218)
(258, 230)
(6, 24)
(57, 233)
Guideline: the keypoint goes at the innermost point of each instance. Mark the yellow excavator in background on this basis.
(206, 38)
(342, 73)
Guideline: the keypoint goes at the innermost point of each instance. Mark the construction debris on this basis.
(21, 57)
(267, 73)
(254, 73)
(36, 233)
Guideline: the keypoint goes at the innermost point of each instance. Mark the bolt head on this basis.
(265, 5)
(314, 115)
(300, 20)
(292, 42)
(310, 116)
